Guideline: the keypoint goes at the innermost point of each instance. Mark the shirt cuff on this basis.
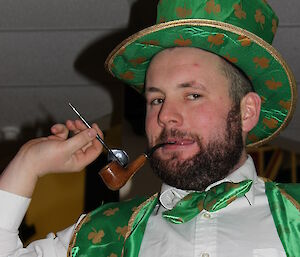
(12, 211)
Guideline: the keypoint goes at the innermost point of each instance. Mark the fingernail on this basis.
(92, 133)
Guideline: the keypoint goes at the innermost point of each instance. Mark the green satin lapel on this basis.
(284, 204)
(137, 226)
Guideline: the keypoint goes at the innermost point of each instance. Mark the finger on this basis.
(83, 149)
(60, 130)
(80, 125)
(73, 127)
(88, 155)
(96, 142)
(81, 140)
(70, 124)
(100, 133)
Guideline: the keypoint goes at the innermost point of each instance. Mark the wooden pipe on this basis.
(115, 176)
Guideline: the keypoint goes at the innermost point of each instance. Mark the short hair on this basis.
(240, 85)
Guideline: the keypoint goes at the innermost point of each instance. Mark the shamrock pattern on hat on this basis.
(239, 31)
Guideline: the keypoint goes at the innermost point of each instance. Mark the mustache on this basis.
(176, 134)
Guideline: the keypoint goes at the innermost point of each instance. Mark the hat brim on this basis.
(271, 77)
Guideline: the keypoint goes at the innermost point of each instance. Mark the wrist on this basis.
(19, 177)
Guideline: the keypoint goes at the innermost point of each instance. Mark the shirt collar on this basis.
(170, 195)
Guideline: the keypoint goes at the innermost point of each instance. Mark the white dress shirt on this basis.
(244, 228)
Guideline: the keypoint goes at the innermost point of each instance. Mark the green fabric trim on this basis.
(284, 204)
(138, 226)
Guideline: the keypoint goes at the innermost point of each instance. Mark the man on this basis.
(207, 109)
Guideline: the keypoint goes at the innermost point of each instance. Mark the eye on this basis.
(156, 101)
(193, 96)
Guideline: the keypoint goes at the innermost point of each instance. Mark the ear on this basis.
(250, 110)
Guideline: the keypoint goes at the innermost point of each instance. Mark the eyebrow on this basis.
(192, 84)
(189, 84)
(153, 89)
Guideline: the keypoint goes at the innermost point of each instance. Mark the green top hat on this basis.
(239, 30)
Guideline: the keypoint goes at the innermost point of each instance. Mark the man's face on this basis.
(188, 103)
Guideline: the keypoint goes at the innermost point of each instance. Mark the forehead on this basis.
(185, 64)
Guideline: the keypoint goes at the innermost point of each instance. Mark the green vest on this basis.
(117, 229)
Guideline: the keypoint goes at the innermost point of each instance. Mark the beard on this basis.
(213, 162)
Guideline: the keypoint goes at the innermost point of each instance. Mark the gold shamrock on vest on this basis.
(110, 211)
(122, 231)
(96, 236)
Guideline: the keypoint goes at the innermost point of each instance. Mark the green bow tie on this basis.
(212, 200)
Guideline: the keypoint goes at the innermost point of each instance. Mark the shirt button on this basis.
(207, 216)
(205, 255)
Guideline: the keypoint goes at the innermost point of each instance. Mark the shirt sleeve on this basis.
(12, 211)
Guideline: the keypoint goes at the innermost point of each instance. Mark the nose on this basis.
(170, 114)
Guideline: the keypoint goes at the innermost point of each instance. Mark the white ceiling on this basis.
(52, 52)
